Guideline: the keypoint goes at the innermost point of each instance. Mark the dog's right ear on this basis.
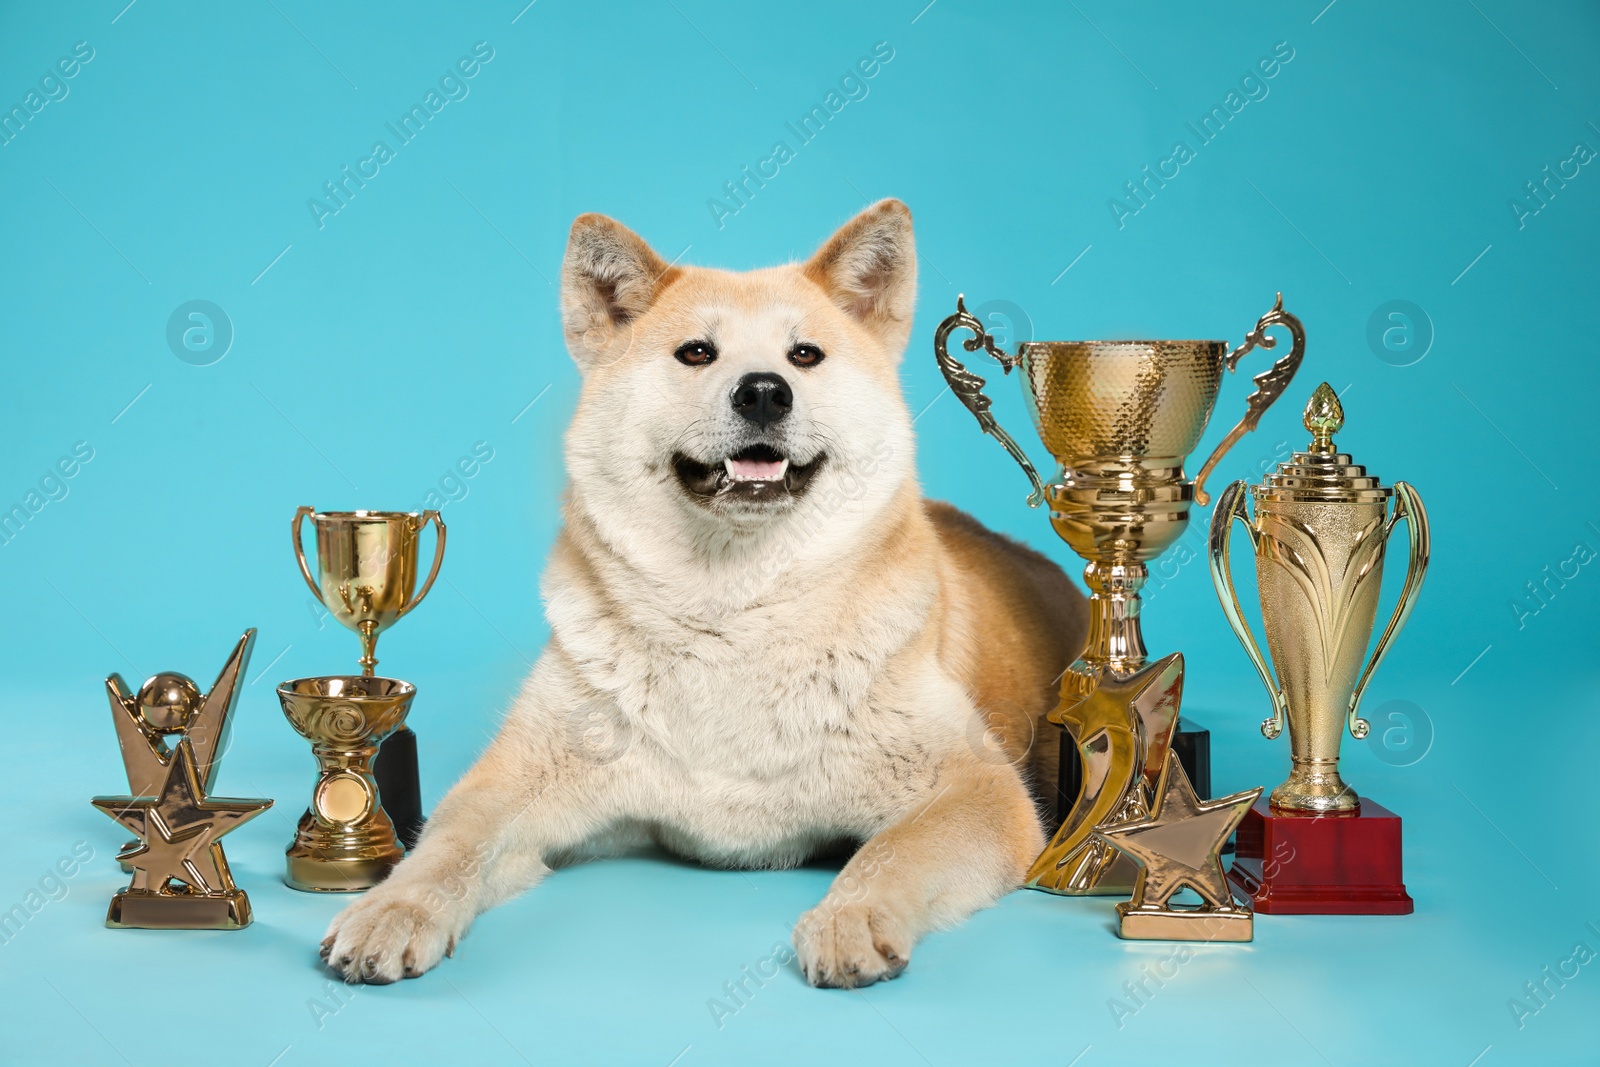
(608, 278)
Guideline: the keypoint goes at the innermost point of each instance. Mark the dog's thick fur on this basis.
(749, 674)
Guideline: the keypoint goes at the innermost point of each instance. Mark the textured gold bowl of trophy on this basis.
(1120, 418)
(366, 805)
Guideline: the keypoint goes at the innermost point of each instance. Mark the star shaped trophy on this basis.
(172, 738)
(1120, 418)
(1178, 845)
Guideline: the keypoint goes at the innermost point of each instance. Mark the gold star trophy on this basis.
(180, 879)
(1120, 418)
(1179, 845)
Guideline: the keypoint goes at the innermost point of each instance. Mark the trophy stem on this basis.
(1101, 697)
(368, 630)
(1115, 640)
(1314, 785)
(345, 841)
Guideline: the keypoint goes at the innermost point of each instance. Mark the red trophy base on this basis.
(1300, 864)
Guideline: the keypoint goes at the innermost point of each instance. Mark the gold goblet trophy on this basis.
(366, 576)
(1320, 531)
(1120, 418)
(367, 567)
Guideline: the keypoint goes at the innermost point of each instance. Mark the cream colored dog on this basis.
(764, 642)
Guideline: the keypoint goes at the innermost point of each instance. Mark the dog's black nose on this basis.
(763, 398)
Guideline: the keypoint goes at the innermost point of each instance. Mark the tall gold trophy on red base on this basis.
(1320, 533)
(1120, 417)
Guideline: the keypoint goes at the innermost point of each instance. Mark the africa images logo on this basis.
(53, 88)
(807, 128)
(452, 87)
(1253, 87)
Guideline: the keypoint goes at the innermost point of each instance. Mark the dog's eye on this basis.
(805, 355)
(696, 353)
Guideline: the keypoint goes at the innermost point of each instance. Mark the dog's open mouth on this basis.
(758, 473)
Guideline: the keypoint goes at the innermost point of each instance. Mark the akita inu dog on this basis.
(779, 643)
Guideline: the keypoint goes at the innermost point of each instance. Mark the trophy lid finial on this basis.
(1322, 474)
(1324, 417)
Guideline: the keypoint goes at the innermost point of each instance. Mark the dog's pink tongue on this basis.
(757, 470)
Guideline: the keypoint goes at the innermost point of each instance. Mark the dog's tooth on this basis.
(727, 465)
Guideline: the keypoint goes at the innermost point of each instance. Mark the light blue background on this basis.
(371, 354)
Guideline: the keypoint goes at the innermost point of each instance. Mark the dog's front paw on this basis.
(850, 945)
(390, 933)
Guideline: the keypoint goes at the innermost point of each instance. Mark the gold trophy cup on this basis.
(366, 576)
(367, 568)
(344, 841)
(1319, 533)
(1120, 418)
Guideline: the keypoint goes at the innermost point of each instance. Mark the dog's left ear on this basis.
(609, 277)
(869, 268)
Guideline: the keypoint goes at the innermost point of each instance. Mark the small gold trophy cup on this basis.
(1120, 418)
(366, 576)
(1320, 531)
(344, 841)
(367, 568)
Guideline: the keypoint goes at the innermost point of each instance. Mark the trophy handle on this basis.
(1270, 384)
(438, 558)
(1407, 506)
(968, 387)
(300, 553)
(1231, 506)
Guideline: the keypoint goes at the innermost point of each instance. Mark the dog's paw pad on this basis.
(386, 936)
(850, 945)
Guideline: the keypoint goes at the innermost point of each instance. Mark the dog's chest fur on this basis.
(757, 733)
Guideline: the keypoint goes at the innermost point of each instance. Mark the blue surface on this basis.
(368, 354)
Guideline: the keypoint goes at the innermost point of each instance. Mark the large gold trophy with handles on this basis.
(1320, 533)
(1120, 418)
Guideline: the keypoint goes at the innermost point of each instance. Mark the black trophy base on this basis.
(399, 787)
(1191, 741)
